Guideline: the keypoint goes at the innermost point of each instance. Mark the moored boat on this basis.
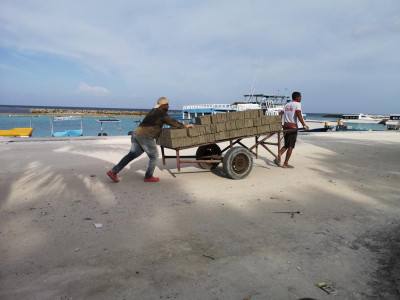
(74, 132)
(360, 118)
(18, 131)
(270, 104)
(394, 122)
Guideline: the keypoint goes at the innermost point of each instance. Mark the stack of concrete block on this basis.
(218, 127)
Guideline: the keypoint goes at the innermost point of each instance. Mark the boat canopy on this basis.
(395, 117)
(105, 121)
(74, 132)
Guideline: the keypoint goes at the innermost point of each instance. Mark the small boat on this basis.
(394, 122)
(74, 132)
(18, 131)
(360, 118)
(107, 121)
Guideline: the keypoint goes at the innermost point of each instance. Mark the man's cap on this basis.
(161, 101)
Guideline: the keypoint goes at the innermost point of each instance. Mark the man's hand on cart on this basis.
(189, 126)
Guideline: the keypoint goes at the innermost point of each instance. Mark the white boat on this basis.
(360, 118)
(394, 122)
(270, 104)
(75, 132)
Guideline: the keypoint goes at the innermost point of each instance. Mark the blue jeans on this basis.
(139, 145)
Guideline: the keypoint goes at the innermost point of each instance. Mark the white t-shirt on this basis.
(289, 110)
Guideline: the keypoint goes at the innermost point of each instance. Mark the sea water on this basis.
(91, 126)
(357, 126)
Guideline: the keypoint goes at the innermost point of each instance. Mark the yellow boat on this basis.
(21, 132)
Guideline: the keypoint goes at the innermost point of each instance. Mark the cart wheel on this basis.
(237, 162)
(207, 150)
(102, 134)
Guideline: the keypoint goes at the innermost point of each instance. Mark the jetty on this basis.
(87, 112)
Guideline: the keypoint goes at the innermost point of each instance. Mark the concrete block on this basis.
(173, 143)
(221, 135)
(277, 118)
(249, 131)
(248, 123)
(265, 120)
(220, 127)
(172, 133)
(263, 129)
(203, 120)
(230, 125)
(207, 128)
(236, 115)
(201, 139)
(202, 130)
(276, 126)
(242, 131)
(195, 131)
(230, 116)
(234, 133)
(223, 117)
(210, 138)
(248, 114)
(239, 124)
(215, 118)
(251, 113)
(189, 141)
(257, 121)
(213, 128)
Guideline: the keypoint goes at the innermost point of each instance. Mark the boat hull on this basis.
(361, 121)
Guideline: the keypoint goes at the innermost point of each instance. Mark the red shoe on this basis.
(151, 179)
(112, 176)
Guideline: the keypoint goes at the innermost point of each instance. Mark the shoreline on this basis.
(83, 113)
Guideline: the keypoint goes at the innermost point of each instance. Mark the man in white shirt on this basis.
(291, 114)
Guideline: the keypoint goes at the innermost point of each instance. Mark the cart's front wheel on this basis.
(205, 152)
(237, 163)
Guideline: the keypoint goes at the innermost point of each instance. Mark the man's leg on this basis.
(149, 146)
(288, 154)
(283, 150)
(135, 151)
(289, 144)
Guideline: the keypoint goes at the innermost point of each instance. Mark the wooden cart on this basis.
(237, 161)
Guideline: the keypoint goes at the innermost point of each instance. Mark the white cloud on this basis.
(97, 90)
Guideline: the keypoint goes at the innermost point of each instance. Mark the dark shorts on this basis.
(290, 137)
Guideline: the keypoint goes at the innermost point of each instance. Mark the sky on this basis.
(342, 55)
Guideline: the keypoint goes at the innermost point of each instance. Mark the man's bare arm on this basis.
(300, 117)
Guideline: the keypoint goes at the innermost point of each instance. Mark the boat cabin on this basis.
(271, 104)
(351, 117)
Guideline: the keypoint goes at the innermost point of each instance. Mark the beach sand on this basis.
(197, 234)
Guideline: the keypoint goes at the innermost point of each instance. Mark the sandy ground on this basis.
(197, 234)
